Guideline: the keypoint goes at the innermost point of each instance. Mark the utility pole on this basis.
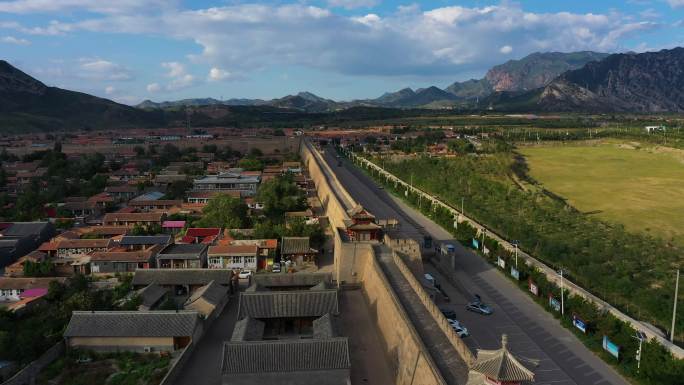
(641, 337)
(462, 211)
(516, 254)
(674, 310)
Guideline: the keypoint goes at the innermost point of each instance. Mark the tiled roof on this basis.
(7, 283)
(131, 240)
(285, 356)
(83, 243)
(202, 232)
(132, 324)
(290, 280)
(323, 327)
(22, 229)
(296, 245)
(173, 224)
(212, 292)
(282, 304)
(233, 250)
(248, 329)
(193, 250)
(501, 365)
(156, 202)
(182, 276)
(108, 230)
(121, 256)
(133, 217)
(151, 294)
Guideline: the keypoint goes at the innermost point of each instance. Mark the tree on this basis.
(177, 189)
(224, 211)
(251, 164)
(280, 195)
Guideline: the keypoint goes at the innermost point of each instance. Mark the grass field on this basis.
(642, 188)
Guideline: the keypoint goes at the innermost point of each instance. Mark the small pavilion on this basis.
(501, 367)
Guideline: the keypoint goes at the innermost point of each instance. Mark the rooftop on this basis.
(132, 324)
(181, 276)
(288, 304)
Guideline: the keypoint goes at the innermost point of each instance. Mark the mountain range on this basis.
(650, 82)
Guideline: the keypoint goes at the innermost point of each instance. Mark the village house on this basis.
(228, 181)
(112, 262)
(20, 238)
(206, 235)
(132, 331)
(206, 196)
(240, 257)
(73, 247)
(81, 208)
(182, 256)
(152, 296)
(155, 205)
(132, 219)
(266, 250)
(141, 242)
(307, 216)
(17, 268)
(12, 288)
(173, 227)
(180, 281)
(297, 250)
(122, 193)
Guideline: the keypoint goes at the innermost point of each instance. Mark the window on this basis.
(249, 260)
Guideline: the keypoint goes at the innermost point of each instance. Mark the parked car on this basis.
(479, 307)
(461, 330)
(244, 274)
(276, 267)
(448, 313)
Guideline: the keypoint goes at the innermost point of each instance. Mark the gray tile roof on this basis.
(295, 245)
(181, 276)
(212, 292)
(151, 294)
(132, 324)
(182, 251)
(323, 327)
(280, 304)
(285, 356)
(248, 329)
(296, 279)
(23, 229)
(132, 240)
(502, 366)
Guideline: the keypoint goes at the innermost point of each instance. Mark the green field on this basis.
(642, 188)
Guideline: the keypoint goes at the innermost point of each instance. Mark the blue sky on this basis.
(131, 50)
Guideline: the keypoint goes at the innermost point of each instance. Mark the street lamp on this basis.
(515, 244)
(639, 335)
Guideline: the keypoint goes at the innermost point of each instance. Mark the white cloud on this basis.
(14, 40)
(175, 69)
(153, 87)
(676, 3)
(409, 42)
(217, 74)
(99, 69)
(506, 49)
(109, 90)
(96, 6)
(352, 4)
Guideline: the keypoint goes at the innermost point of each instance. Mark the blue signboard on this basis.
(610, 347)
(515, 273)
(554, 303)
(579, 324)
(476, 244)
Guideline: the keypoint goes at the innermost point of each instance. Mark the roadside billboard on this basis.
(501, 263)
(476, 244)
(610, 347)
(554, 303)
(579, 324)
(534, 289)
(515, 273)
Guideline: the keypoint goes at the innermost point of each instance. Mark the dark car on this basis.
(479, 307)
(448, 313)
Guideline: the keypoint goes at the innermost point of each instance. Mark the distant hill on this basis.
(28, 104)
(649, 82)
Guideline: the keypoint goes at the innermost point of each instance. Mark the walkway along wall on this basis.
(407, 354)
(550, 273)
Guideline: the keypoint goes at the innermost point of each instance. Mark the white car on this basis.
(244, 274)
(461, 330)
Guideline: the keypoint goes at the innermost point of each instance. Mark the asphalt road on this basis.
(532, 332)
